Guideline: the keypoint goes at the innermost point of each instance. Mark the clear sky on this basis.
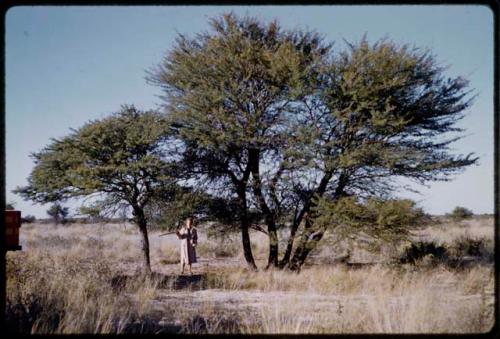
(67, 65)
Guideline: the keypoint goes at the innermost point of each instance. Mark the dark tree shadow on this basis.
(172, 281)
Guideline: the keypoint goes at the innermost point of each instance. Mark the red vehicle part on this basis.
(12, 225)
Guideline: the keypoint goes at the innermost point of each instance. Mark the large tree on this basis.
(283, 122)
(227, 93)
(125, 158)
(383, 111)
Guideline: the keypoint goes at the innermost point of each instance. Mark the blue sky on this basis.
(67, 65)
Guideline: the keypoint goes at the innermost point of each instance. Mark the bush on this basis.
(92, 213)
(58, 213)
(28, 219)
(383, 220)
(474, 247)
(422, 249)
(220, 248)
(460, 213)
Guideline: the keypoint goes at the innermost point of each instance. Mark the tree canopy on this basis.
(227, 93)
(273, 125)
(278, 118)
(125, 158)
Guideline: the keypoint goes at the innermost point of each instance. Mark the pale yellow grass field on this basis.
(66, 271)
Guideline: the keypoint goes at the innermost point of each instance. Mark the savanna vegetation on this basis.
(295, 145)
(65, 281)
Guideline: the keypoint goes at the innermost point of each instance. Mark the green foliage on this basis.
(122, 157)
(389, 221)
(387, 105)
(93, 212)
(278, 117)
(460, 213)
(228, 90)
(170, 207)
(10, 206)
(58, 213)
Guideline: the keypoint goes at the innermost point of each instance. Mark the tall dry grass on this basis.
(60, 283)
(67, 293)
(369, 300)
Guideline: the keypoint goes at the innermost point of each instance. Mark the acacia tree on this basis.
(460, 213)
(227, 93)
(286, 134)
(376, 113)
(58, 213)
(383, 111)
(122, 159)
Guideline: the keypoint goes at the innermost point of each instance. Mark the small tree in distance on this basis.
(28, 219)
(58, 213)
(93, 213)
(461, 213)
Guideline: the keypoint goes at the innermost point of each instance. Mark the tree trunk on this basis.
(253, 159)
(245, 236)
(142, 224)
(273, 245)
(247, 248)
(305, 210)
(307, 243)
(295, 226)
(288, 250)
(310, 237)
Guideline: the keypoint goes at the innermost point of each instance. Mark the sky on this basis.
(66, 65)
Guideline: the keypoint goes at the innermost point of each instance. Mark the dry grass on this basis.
(341, 280)
(448, 231)
(60, 283)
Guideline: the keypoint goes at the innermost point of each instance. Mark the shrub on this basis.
(220, 247)
(422, 249)
(28, 219)
(460, 213)
(92, 213)
(58, 213)
(383, 221)
(465, 245)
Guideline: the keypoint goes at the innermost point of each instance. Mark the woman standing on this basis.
(189, 240)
